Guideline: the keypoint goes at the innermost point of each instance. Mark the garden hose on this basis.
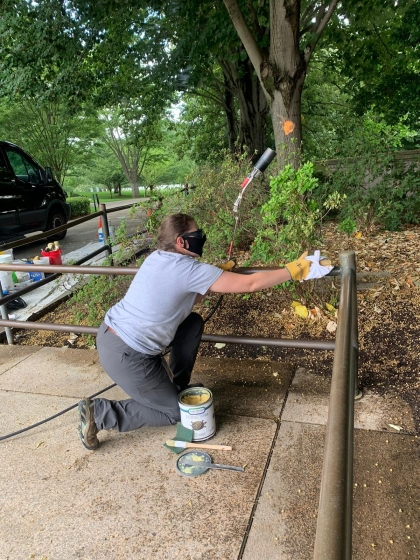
(52, 417)
(2, 438)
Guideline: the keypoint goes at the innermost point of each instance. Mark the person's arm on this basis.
(232, 283)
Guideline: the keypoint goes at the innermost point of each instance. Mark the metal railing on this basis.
(333, 539)
(334, 525)
(102, 213)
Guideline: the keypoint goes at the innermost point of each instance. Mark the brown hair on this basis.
(172, 227)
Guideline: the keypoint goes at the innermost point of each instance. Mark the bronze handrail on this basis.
(333, 539)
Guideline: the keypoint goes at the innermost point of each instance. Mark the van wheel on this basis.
(56, 219)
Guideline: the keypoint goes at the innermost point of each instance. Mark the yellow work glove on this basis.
(299, 269)
(227, 265)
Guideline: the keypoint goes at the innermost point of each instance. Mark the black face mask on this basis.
(196, 240)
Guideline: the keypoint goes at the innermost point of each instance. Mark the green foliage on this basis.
(95, 298)
(211, 201)
(201, 130)
(380, 190)
(80, 206)
(378, 47)
(348, 226)
(292, 215)
(52, 133)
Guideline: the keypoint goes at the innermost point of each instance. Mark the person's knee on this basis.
(174, 416)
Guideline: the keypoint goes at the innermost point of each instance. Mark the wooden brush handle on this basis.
(209, 446)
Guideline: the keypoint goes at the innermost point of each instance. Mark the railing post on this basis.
(105, 230)
(354, 357)
(333, 539)
(5, 315)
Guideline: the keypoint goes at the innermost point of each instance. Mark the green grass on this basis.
(106, 196)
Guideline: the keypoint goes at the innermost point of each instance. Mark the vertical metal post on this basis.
(105, 226)
(105, 230)
(94, 201)
(358, 394)
(5, 315)
(333, 539)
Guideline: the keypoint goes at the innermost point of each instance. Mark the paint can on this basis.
(197, 412)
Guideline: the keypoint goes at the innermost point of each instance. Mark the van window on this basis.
(23, 168)
(4, 172)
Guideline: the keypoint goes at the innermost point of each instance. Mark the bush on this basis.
(291, 217)
(211, 202)
(80, 206)
(379, 191)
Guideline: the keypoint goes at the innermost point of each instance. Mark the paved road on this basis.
(82, 234)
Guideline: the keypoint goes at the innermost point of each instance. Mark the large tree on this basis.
(282, 66)
(214, 65)
(56, 136)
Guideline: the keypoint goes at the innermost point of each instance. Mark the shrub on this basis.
(291, 217)
(379, 190)
(80, 206)
(211, 202)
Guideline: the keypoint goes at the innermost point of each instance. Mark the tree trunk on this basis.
(134, 188)
(286, 118)
(253, 107)
(231, 120)
(283, 73)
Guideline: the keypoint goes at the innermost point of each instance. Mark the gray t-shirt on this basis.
(160, 297)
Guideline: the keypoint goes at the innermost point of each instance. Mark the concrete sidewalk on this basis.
(126, 501)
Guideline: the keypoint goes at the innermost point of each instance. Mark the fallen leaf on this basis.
(398, 428)
(331, 326)
(220, 345)
(302, 311)
(275, 373)
(377, 309)
(296, 303)
(277, 315)
(39, 444)
(330, 307)
(319, 312)
(358, 235)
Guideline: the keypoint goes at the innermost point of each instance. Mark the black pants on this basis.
(154, 397)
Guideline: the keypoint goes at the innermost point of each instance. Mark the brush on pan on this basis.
(184, 444)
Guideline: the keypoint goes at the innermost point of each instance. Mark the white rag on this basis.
(317, 270)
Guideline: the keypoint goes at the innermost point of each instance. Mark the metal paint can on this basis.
(197, 412)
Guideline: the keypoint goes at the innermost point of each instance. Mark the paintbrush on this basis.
(177, 443)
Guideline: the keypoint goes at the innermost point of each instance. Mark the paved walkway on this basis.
(126, 501)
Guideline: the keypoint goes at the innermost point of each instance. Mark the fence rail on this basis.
(333, 539)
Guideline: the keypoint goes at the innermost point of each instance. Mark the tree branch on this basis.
(247, 39)
(323, 17)
(381, 40)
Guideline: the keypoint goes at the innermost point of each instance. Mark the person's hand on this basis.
(300, 268)
(227, 265)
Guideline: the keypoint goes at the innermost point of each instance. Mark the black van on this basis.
(30, 198)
